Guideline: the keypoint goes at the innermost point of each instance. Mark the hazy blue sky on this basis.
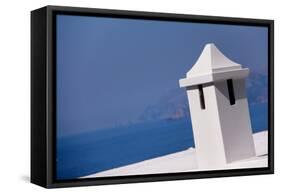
(110, 70)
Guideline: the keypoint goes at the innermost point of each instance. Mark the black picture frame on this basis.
(43, 100)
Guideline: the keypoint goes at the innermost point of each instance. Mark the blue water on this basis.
(259, 117)
(104, 149)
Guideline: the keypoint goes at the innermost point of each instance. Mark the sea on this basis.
(102, 149)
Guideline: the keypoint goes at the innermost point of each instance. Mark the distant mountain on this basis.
(174, 105)
(257, 88)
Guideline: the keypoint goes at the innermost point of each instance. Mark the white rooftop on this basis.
(185, 161)
(211, 66)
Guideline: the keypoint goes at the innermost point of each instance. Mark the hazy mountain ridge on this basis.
(257, 88)
(174, 105)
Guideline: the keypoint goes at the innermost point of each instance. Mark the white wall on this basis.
(15, 94)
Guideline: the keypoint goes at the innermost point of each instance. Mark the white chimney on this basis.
(219, 110)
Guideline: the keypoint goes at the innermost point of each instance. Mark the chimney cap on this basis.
(211, 66)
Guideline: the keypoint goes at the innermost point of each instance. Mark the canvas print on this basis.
(139, 97)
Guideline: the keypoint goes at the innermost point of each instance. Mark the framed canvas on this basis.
(126, 96)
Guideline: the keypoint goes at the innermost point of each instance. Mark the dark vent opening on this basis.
(231, 92)
(201, 96)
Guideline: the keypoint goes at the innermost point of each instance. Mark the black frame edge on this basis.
(159, 15)
(38, 97)
(271, 96)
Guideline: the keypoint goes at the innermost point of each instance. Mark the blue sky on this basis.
(110, 70)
